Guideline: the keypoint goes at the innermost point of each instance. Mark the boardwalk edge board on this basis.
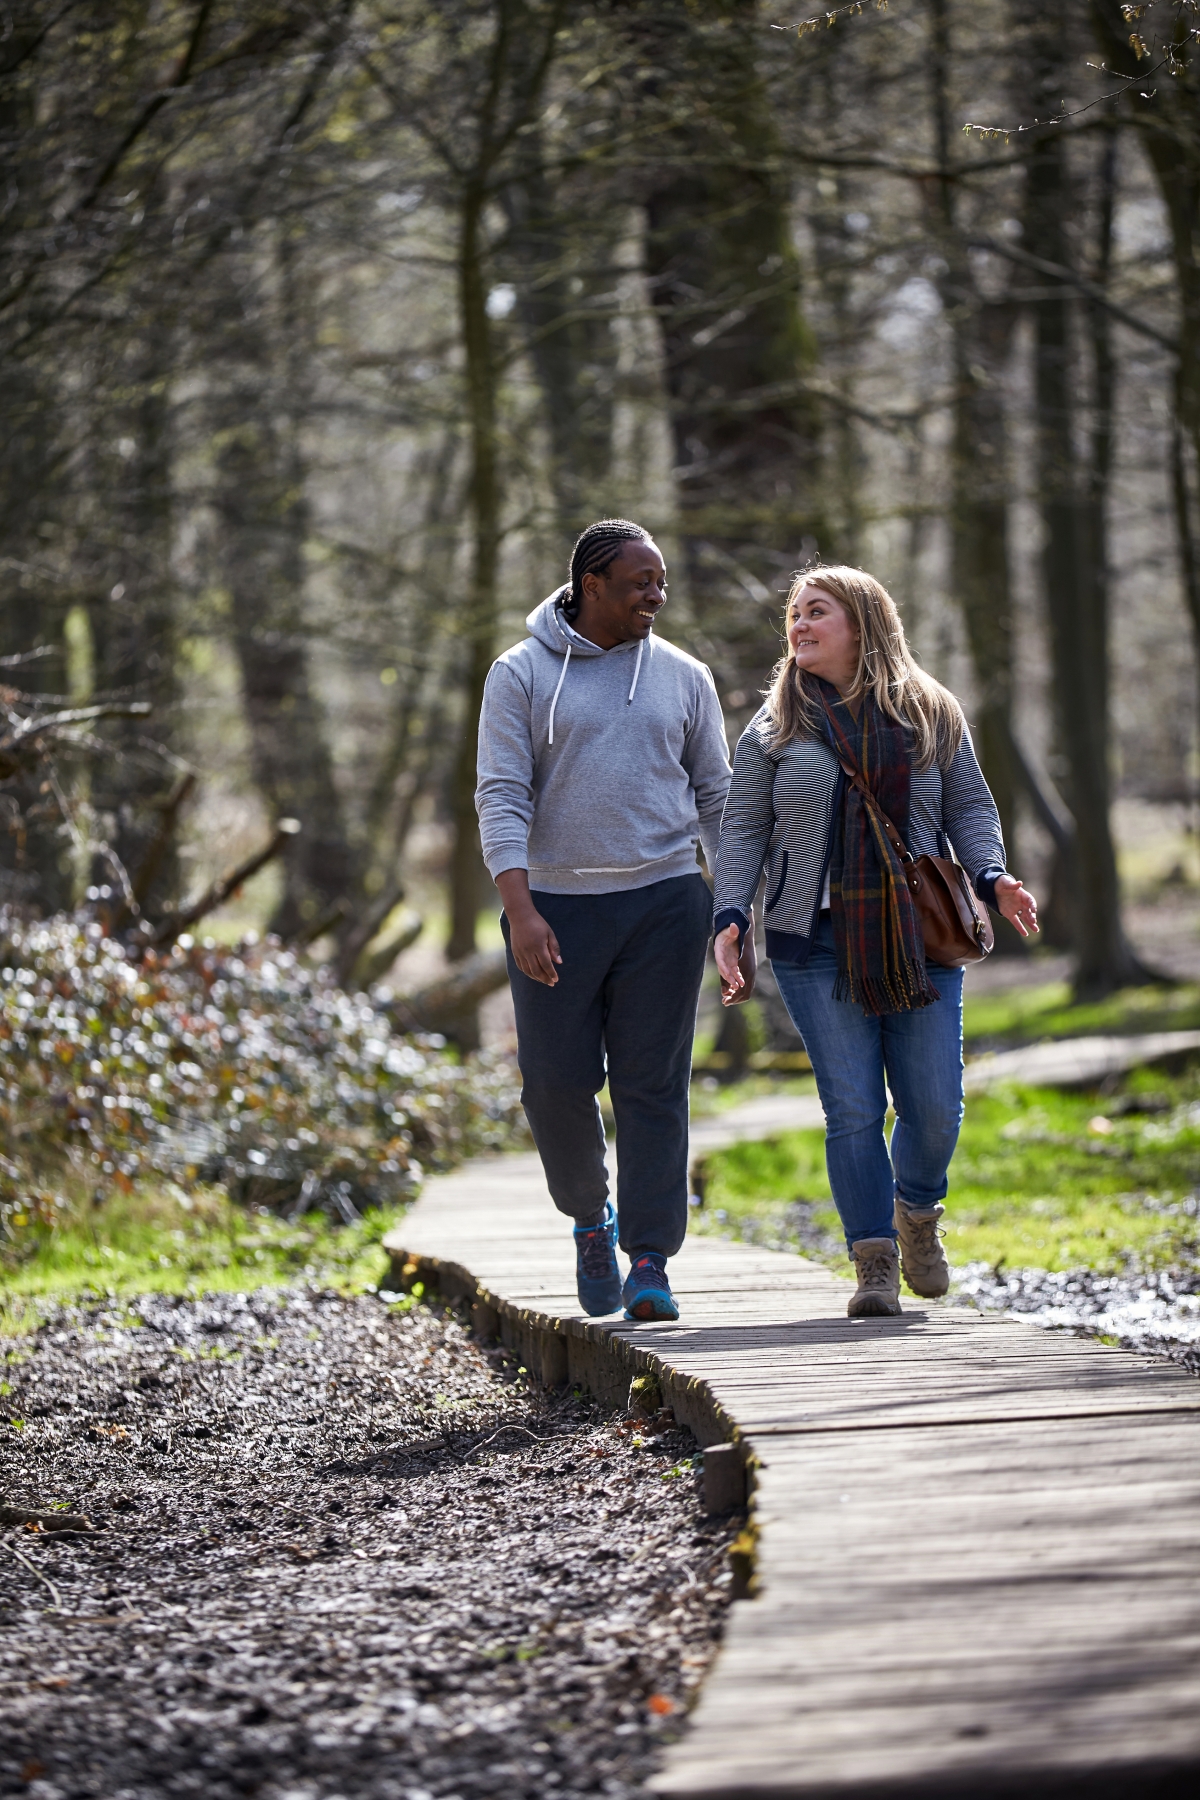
(584, 1353)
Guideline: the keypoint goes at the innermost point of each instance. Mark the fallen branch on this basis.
(17, 1515)
(35, 1571)
(373, 964)
(319, 927)
(24, 746)
(363, 930)
(156, 851)
(219, 892)
(456, 992)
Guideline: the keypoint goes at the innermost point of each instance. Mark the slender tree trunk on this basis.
(35, 859)
(517, 65)
(1167, 117)
(467, 872)
(1189, 547)
(725, 282)
(133, 619)
(1072, 561)
(412, 708)
(261, 509)
(565, 281)
(981, 333)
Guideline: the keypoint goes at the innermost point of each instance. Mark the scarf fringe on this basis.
(879, 995)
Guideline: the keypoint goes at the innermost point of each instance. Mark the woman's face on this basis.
(822, 637)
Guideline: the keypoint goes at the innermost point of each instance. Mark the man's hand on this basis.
(737, 970)
(534, 946)
(1016, 904)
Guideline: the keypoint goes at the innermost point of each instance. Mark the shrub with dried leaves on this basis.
(243, 1066)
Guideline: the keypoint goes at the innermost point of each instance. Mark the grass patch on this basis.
(1041, 1179)
(1028, 1014)
(161, 1239)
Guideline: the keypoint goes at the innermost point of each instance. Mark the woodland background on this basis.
(325, 327)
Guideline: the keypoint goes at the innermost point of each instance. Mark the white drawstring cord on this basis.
(636, 672)
(558, 690)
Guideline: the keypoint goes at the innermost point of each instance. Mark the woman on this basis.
(842, 930)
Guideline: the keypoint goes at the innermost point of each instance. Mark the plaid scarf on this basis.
(880, 949)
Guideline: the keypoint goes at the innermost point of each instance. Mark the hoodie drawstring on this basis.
(637, 669)
(558, 690)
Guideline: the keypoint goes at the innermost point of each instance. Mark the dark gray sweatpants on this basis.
(625, 1006)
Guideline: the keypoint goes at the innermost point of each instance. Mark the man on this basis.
(602, 760)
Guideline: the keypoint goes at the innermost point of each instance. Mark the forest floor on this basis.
(342, 1550)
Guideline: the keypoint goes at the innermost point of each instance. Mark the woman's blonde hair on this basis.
(885, 669)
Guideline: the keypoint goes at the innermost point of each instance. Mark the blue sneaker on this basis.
(597, 1276)
(647, 1292)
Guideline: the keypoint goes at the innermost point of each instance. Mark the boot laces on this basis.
(595, 1252)
(876, 1270)
(925, 1234)
(649, 1274)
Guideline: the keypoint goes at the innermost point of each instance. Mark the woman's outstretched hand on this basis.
(737, 969)
(1015, 903)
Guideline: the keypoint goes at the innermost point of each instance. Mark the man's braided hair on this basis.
(596, 550)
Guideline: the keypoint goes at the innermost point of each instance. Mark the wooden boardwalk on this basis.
(1066, 1062)
(978, 1561)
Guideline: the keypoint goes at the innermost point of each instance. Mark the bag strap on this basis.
(854, 776)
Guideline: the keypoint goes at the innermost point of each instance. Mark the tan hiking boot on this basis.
(877, 1265)
(922, 1259)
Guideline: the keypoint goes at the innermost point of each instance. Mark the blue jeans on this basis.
(919, 1053)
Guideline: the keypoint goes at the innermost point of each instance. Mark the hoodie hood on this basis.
(548, 626)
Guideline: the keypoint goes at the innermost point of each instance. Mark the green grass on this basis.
(1027, 1014)
(161, 1239)
(1041, 1179)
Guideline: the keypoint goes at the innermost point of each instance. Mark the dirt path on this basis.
(518, 1601)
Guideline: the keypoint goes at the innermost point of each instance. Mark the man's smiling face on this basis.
(621, 606)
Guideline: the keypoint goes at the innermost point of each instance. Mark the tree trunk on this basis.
(133, 619)
(260, 504)
(467, 873)
(725, 283)
(1072, 503)
(981, 332)
(1167, 117)
(565, 286)
(35, 858)
(412, 732)
(518, 61)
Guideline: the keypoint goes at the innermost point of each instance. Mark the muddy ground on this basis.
(341, 1551)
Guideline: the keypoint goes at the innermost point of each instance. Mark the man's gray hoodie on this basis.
(598, 769)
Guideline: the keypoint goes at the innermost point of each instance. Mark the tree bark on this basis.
(467, 871)
(565, 279)
(515, 70)
(1167, 118)
(1072, 501)
(981, 333)
(725, 283)
(133, 616)
(261, 509)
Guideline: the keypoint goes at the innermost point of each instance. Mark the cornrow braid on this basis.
(596, 550)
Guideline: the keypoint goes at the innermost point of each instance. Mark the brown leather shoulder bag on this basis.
(954, 924)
